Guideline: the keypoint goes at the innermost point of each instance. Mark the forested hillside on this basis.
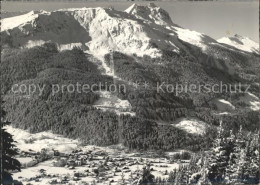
(72, 114)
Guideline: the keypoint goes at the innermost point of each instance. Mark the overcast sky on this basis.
(216, 19)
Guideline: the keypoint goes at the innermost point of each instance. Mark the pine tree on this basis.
(8, 162)
(147, 177)
(252, 170)
(172, 176)
(204, 173)
(234, 156)
(243, 165)
(194, 160)
(195, 165)
(219, 157)
(234, 160)
(239, 174)
(159, 180)
(181, 177)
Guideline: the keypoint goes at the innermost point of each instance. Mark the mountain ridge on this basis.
(241, 43)
(105, 16)
(139, 30)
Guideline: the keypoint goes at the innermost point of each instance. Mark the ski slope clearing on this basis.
(192, 126)
(108, 101)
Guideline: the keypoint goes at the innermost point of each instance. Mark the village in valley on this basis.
(48, 158)
(93, 165)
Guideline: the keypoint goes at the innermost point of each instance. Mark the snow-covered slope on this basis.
(97, 29)
(192, 126)
(251, 100)
(241, 43)
(26, 141)
(194, 38)
(18, 21)
(150, 14)
(224, 105)
(140, 30)
(155, 16)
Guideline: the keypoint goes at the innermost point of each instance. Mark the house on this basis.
(56, 152)
(71, 162)
(29, 164)
(83, 159)
(60, 162)
(78, 163)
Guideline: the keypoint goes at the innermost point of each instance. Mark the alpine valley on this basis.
(156, 61)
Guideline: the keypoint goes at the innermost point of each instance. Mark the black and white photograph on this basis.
(130, 92)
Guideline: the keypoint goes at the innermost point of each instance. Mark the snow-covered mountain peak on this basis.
(98, 30)
(141, 30)
(241, 43)
(150, 13)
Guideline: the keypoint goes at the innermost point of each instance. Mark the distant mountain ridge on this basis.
(241, 43)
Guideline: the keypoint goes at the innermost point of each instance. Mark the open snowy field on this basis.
(27, 141)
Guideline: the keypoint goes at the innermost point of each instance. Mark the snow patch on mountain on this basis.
(251, 100)
(222, 113)
(176, 49)
(108, 101)
(241, 43)
(225, 102)
(224, 105)
(70, 46)
(192, 126)
(193, 37)
(61, 47)
(12, 22)
(255, 105)
(189, 36)
(33, 43)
